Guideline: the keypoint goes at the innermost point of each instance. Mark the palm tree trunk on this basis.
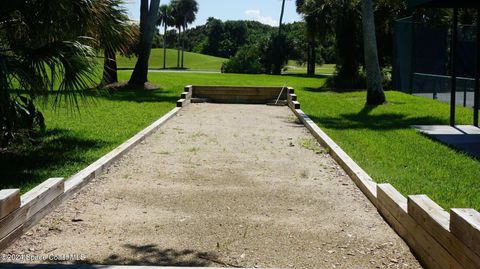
(165, 47)
(183, 46)
(109, 68)
(281, 17)
(375, 94)
(178, 46)
(312, 57)
(148, 18)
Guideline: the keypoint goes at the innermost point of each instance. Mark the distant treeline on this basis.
(224, 39)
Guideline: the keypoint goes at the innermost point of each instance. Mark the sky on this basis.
(264, 11)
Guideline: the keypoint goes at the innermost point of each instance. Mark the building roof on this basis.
(444, 3)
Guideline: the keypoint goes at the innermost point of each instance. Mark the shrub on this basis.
(246, 61)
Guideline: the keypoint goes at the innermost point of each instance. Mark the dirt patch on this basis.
(223, 185)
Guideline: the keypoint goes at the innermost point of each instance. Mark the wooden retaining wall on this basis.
(20, 213)
(439, 239)
(231, 94)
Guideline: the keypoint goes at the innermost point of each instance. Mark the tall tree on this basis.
(375, 94)
(177, 22)
(185, 13)
(148, 19)
(318, 19)
(282, 12)
(113, 34)
(189, 9)
(165, 18)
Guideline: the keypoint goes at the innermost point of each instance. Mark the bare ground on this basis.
(223, 185)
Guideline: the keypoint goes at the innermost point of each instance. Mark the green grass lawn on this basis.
(192, 60)
(294, 68)
(74, 140)
(379, 139)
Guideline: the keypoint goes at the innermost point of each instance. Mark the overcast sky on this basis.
(265, 11)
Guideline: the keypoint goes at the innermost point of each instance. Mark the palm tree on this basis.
(282, 12)
(190, 9)
(177, 22)
(148, 19)
(319, 20)
(113, 34)
(39, 48)
(165, 18)
(185, 14)
(375, 94)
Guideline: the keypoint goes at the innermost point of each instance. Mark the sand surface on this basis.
(222, 185)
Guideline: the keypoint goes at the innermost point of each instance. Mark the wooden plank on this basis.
(9, 201)
(180, 103)
(12, 221)
(392, 199)
(188, 91)
(199, 100)
(30, 221)
(238, 88)
(188, 88)
(465, 225)
(275, 94)
(436, 221)
(420, 253)
(291, 97)
(241, 101)
(12, 236)
(40, 214)
(239, 97)
(42, 195)
(295, 105)
(241, 90)
(185, 95)
(394, 207)
(209, 89)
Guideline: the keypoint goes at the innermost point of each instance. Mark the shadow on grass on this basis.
(20, 166)
(365, 120)
(139, 96)
(152, 255)
(328, 89)
(306, 76)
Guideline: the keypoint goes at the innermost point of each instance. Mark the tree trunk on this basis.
(178, 46)
(148, 17)
(183, 46)
(312, 57)
(165, 47)
(109, 68)
(375, 94)
(308, 58)
(281, 18)
(6, 117)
